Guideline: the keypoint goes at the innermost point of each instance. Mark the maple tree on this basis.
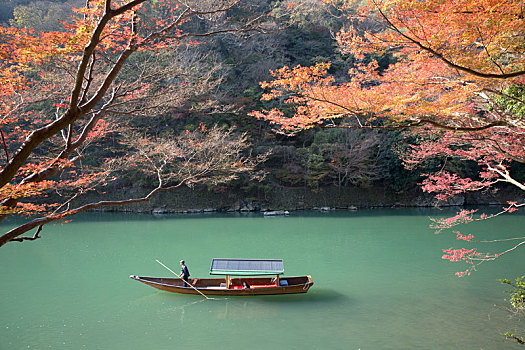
(63, 91)
(455, 85)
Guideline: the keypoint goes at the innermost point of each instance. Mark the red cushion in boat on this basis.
(264, 285)
(256, 286)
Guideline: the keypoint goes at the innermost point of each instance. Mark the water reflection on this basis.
(379, 278)
(239, 310)
(255, 308)
(318, 295)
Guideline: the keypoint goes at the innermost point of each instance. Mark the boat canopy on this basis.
(246, 267)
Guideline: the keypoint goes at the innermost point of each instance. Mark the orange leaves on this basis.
(24, 209)
(23, 48)
(193, 43)
(22, 52)
(102, 128)
(57, 90)
(299, 77)
(445, 56)
(484, 36)
(302, 86)
(33, 168)
(25, 190)
(368, 95)
(85, 181)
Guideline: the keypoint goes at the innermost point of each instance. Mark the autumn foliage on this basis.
(448, 57)
(62, 92)
(455, 83)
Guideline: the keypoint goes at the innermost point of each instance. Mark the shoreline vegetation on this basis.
(255, 105)
(274, 199)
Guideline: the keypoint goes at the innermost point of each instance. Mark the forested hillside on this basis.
(162, 106)
(216, 82)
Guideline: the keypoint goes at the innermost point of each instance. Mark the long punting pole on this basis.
(182, 279)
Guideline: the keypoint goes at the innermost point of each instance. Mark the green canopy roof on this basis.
(246, 267)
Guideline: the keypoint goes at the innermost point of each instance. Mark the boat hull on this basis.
(216, 286)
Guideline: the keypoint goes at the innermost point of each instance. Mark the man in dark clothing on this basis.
(184, 273)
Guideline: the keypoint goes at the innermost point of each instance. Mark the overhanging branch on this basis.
(442, 57)
(39, 222)
(419, 123)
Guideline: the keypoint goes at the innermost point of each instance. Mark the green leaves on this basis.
(517, 300)
(517, 294)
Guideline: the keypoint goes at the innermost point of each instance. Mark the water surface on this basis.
(380, 283)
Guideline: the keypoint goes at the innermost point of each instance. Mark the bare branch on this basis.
(36, 236)
(4, 145)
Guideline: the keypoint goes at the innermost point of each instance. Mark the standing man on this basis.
(184, 273)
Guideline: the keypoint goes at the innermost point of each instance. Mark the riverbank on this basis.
(262, 199)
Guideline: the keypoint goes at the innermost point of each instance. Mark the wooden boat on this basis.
(245, 282)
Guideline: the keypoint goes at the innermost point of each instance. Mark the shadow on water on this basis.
(319, 295)
(251, 307)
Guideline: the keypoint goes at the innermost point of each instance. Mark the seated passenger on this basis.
(245, 285)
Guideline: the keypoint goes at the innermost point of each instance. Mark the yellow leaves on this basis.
(25, 190)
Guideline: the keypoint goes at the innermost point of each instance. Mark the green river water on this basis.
(380, 283)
